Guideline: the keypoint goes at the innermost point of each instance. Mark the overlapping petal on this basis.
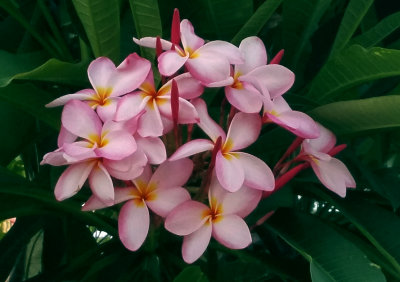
(101, 184)
(192, 147)
(243, 131)
(229, 171)
(165, 200)
(195, 244)
(181, 170)
(232, 232)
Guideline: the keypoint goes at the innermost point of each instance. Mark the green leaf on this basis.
(352, 67)
(257, 21)
(336, 257)
(301, 18)
(318, 274)
(32, 66)
(379, 32)
(32, 100)
(380, 226)
(191, 273)
(227, 18)
(100, 19)
(353, 15)
(348, 117)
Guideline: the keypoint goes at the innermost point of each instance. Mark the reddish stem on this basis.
(175, 28)
(295, 144)
(278, 57)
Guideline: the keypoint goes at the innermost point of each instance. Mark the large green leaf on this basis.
(191, 273)
(356, 116)
(100, 18)
(30, 99)
(301, 18)
(352, 67)
(334, 256)
(353, 15)
(32, 66)
(380, 226)
(146, 16)
(381, 30)
(257, 21)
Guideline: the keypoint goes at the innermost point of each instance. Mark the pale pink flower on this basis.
(233, 168)
(332, 173)
(209, 63)
(109, 83)
(254, 79)
(160, 192)
(222, 219)
(101, 150)
(157, 118)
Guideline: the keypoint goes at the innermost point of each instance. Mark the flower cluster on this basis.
(120, 128)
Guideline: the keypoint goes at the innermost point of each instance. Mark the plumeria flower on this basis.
(157, 104)
(109, 83)
(158, 192)
(255, 76)
(99, 152)
(332, 173)
(221, 219)
(233, 168)
(278, 111)
(209, 63)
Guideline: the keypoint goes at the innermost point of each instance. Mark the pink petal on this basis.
(124, 194)
(79, 119)
(324, 143)
(241, 202)
(254, 54)
(80, 150)
(270, 79)
(57, 158)
(108, 110)
(296, 122)
(195, 244)
(150, 124)
(153, 148)
(208, 68)
(93, 203)
(167, 199)
(151, 42)
(133, 224)
(334, 175)
(180, 169)
(187, 112)
(207, 124)
(232, 232)
(83, 95)
(100, 71)
(229, 172)
(243, 131)
(257, 174)
(188, 86)
(170, 62)
(127, 168)
(186, 218)
(118, 145)
(246, 99)
(130, 105)
(221, 83)
(188, 37)
(144, 178)
(101, 184)
(129, 75)
(192, 147)
(72, 180)
(224, 49)
(65, 137)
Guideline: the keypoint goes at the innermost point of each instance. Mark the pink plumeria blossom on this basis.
(278, 111)
(222, 219)
(158, 192)
(233, 168)
(209, 63)
(332, 173)
(109, 83)
(157, 105)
